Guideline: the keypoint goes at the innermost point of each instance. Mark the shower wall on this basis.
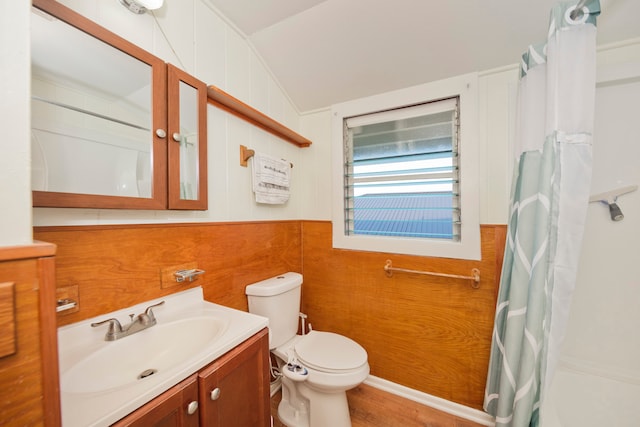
(598, 378)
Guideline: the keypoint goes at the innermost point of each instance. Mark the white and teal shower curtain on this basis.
(549, 198)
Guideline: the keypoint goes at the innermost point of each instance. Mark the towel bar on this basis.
(389, 269)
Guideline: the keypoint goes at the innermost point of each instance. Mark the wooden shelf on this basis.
(223, 100)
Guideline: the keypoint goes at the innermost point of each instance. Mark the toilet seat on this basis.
(329, 352)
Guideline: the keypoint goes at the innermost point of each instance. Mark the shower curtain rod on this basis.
(576, 12)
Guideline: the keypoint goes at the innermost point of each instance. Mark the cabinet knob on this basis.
(160, 133)
(215, 393)
(192, 407)
(176, 137)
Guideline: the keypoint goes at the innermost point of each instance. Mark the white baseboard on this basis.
(432, 401)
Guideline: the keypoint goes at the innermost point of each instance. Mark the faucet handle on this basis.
(149, 311)
(114, 328)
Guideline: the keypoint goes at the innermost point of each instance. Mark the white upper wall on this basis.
(196, 38)
(496, 111)
(496, 97)
(15, 155)
(215, 52)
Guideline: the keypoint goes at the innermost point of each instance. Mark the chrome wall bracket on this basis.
(65, 304)
(188, 275)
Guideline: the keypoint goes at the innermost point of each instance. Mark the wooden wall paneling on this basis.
(7, 319)
(428, 333)
(118, 266)
(246, 253)
(24, 399)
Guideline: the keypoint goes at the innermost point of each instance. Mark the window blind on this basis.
(401, 172)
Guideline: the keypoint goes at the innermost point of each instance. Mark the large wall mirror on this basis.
(100, 125)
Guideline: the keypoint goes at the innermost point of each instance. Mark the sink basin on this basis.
(103, 381)
(143, 355)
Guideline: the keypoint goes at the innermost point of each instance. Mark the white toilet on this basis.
(318, 368)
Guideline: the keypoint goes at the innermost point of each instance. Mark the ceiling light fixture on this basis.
(141, 6)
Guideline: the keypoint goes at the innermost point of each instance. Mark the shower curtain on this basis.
(548, 206)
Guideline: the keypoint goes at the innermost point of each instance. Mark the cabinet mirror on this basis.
(187, 153)
(100, 125)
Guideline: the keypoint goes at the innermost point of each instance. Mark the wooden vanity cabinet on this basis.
(234, 390)
(231, 391)
(30, 394)
(173, 408)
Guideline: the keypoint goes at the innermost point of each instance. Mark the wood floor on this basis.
(371, 407)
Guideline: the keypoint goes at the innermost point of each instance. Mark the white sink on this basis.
(102, 381)
(140, 356)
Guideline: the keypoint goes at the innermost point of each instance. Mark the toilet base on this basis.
(302, 406)
(291, 417)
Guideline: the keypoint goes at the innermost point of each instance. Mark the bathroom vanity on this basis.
(230, 391)
(201, 364)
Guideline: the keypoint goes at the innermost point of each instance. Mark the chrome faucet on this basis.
(141, 322)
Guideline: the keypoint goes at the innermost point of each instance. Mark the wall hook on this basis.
(610, 198)
(247, 153)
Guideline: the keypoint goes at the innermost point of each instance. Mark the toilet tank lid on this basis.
(275, 285)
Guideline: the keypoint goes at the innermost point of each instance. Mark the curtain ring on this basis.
(580, 19)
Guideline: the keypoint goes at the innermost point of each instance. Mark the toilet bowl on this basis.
(317, 368)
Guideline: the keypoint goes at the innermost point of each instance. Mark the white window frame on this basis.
(468, 247)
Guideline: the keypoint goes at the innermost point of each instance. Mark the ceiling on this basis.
(327, 51)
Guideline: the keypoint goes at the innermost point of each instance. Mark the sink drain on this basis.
(147, 373)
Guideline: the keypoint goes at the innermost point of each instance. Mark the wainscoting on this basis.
(430, 334)
(118, 266)
(427, 333)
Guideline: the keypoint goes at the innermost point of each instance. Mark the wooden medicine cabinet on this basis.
(113, 126)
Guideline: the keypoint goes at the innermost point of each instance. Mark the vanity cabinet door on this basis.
(187, 140)
(234, 390)
(177, 407)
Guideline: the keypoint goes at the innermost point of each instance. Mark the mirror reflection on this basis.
(91, 114)
(188, 142)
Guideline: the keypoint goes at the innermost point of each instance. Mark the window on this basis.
(401, 172)
(401, 175)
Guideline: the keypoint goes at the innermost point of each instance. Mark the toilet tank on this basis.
(277, 299)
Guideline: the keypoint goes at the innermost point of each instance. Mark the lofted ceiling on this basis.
(327, 51)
